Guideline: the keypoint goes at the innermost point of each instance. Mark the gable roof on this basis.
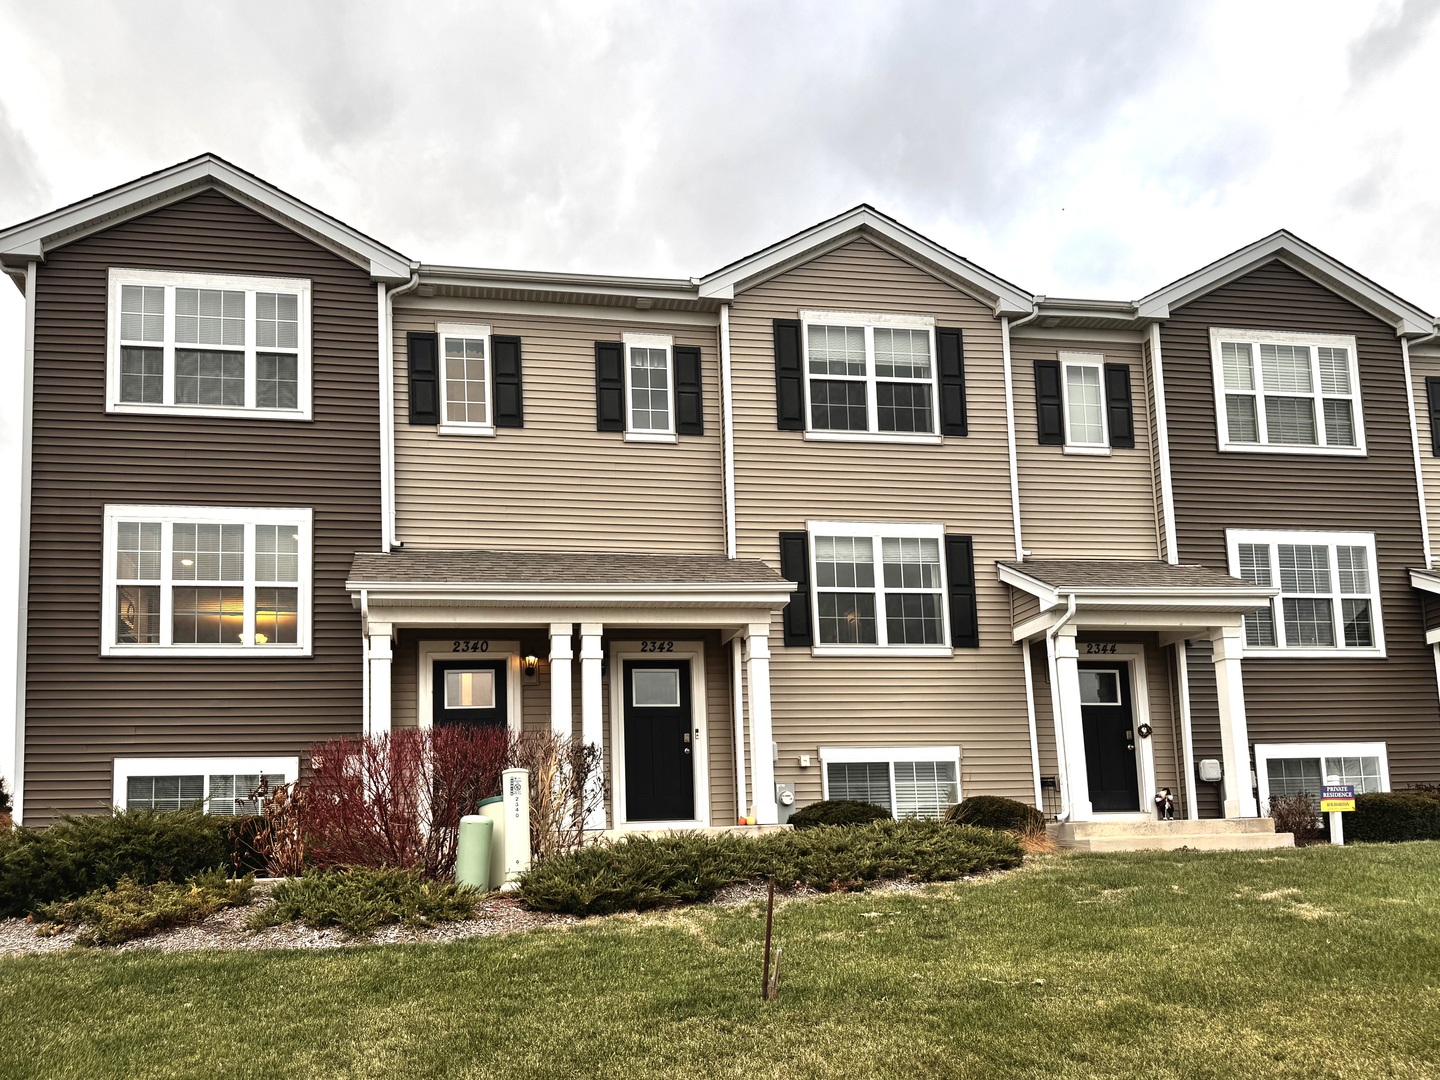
(864, 220)
(31, 240)
(1407, 319)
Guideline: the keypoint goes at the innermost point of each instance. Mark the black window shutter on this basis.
(795, 566)
(1432, 397)
(422, 351)
(689, 402)
(1118, 404)
(505, 377)
(609, 386)
(950, 347)
(964, 613)
(789, 377)
(1049, 403)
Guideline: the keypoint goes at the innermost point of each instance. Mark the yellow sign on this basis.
(1337, 799)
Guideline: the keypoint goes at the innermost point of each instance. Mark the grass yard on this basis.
(1320, 962)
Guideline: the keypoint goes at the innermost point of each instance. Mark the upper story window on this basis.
(1329, 598)
(209, 345)
(206, 581)
(465, 379)
(879, 586)
(649, 387)
(1289, 393)
(870, 375)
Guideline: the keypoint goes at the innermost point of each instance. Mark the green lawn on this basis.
(1322, 962)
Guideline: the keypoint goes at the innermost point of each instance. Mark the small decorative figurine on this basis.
(1165, 804)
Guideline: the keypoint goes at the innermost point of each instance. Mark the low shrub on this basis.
(1391, 816)
(639, 873)
(80, 854)
(995, 812)
(1297, 814)
(128, 910)
(361, 899)
(838, 812)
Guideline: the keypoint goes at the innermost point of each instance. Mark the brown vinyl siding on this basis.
(557, 484)
(976, 698)
(1287, 700)
(83, 710)
(1083, 505)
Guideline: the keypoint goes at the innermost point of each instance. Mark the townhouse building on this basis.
(851, 517)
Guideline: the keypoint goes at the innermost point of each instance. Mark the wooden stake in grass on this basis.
(770, 979)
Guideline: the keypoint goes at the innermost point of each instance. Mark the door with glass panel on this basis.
(659, 741)
(469, 692)
(1107, 715)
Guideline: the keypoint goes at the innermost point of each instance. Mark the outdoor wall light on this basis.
(531, 663)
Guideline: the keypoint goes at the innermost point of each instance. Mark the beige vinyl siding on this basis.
(557, 483)
(1423, 366)
(976, 699)
(535, 697)
(1084, 505)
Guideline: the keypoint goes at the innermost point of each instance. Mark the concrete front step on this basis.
(1232, 834)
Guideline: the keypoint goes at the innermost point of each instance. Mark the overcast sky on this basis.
(1081, 149)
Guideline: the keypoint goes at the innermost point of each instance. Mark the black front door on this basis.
(468, 692)
(659, 741)
(1108, 716)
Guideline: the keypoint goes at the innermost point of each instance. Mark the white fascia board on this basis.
(1407, 319)
(33, 238)
(1009, 300)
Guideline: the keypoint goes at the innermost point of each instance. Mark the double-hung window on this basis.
(1086, 429)
(223, 786)
(649, 388)
(870, 375)
(911, 781)
(1329, 599)
(1296, 768)
(206, 581)
(879, 586)
(465, 407)
(1287, 392)
(209, 345)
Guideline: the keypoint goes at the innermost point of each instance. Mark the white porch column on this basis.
(382, 653)
(1226, 641)
(592, 723)
(562, 705)
(762, 760)
(1066, 702)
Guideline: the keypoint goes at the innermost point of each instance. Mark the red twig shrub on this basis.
(396, 800)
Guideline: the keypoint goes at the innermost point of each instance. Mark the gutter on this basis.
(386, 297)
(1056, 710)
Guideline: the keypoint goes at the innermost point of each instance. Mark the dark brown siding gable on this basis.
(82, 710)
(1394, 699)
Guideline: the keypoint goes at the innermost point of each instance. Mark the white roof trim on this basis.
(31, 240)
(1009, 300)
(1405, 317)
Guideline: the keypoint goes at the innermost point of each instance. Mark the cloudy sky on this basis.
(1075, 148)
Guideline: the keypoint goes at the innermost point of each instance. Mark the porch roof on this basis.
(548, 569)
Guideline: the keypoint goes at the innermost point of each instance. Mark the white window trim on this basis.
(650, 341)
(170, 281)
(125, 768)
(1264, 752)
(876, 531)
(465, 427)
(1081, 360)
(869, 320)
(1274, 537)
(249, 517)
(1278, 337)
(887, 755)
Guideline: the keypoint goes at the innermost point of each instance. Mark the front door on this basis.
(468, 692)
(1108, 716)
(659, 741)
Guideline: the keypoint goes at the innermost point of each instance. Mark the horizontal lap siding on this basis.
(977, 698)
(1394, 699)
(1083, 505)
(557, 483)
(83, 710)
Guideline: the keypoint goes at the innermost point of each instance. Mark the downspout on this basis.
(388, 540)
(22, 597)
(1055, 709)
